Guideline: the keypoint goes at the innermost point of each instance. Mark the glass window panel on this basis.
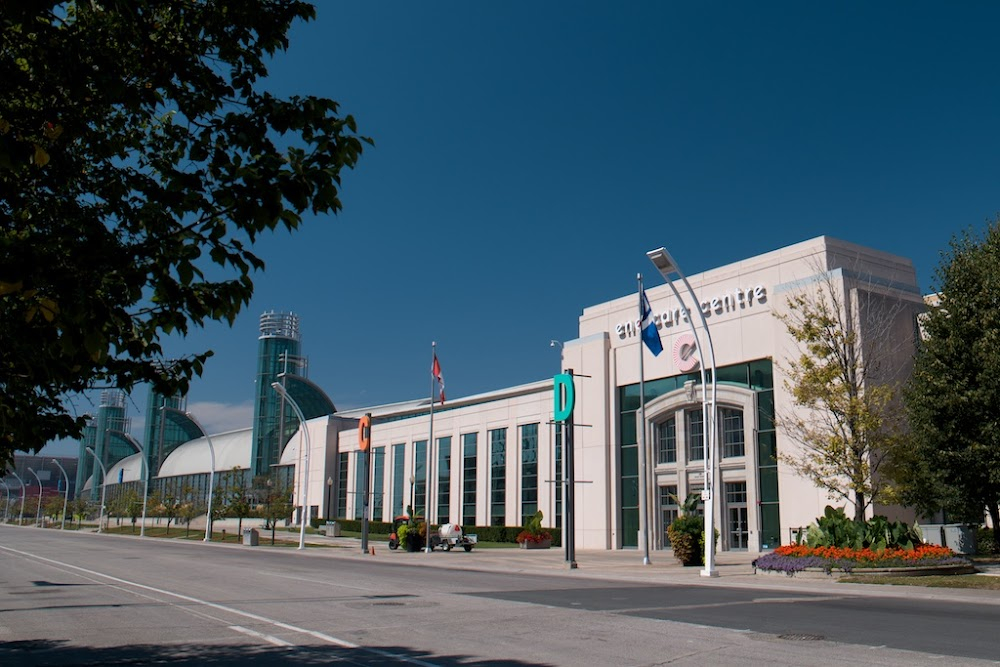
(695, 434)
(734, 375)
(732, 432)
(666, 441)
(769, 485)
(761, 374)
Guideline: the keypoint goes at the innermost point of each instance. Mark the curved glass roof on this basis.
(312, 400)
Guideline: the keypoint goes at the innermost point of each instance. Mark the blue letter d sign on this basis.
(564, 397)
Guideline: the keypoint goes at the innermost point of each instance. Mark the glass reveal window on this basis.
(733, 439)
(694, 418)
(666, 441)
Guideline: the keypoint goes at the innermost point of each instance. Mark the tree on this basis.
(53, 507)
(237, 498)
(846, 381)
(275, 500)
(953, 398)
(140, 160)
(80, 508)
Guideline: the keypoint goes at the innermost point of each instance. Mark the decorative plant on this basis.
(533, 531)
(687, 531)
(836, 529)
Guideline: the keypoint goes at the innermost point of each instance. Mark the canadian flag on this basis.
(436, 372)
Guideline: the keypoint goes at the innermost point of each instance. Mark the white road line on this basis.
(246, 614)
(260, 635)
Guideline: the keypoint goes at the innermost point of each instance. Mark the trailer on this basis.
(450, 536)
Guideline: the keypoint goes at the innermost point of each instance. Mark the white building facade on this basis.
(497, 458)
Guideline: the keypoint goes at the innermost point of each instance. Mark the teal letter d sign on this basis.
(564, 397)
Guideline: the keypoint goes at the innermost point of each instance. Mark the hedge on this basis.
(502, 534)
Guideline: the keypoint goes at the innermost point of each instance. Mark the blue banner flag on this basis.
(650, 335)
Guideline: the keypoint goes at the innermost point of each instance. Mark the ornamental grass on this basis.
(796, 558)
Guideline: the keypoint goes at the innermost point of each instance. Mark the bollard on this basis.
(223, 534)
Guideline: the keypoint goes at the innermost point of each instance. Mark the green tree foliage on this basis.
(953, 398)
(141, 158)
(846, 381)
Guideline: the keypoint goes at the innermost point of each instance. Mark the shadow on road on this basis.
(34, 653)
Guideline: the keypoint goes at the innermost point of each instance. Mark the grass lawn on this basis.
(949, 581)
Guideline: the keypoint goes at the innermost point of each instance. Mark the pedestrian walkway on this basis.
(626, 565)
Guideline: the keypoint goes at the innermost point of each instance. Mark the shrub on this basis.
(685, 535)
(986, 544)
(533, 531)
(836, 529)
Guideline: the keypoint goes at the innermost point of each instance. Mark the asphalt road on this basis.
(86, 599)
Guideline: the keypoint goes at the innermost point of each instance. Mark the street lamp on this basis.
(38, 509)
(305, 483)
(104, 487)
(329, 496)
(66, 495)
(666, 265)
(20, 518)
(211, 476)
(145, 477)
(6, 507)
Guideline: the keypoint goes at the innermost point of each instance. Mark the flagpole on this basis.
(643, 502)
(430, 446)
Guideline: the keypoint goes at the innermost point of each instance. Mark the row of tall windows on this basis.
(731, 431)
(498, 476)
(529, 471)
(757, 376)
(418, 489)
(444, 479)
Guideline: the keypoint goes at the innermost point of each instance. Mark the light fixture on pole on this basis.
(6, 507)
(38, 510)
(145, 477)
(20, 518)
(104, 487)
(211, 476)
(329, 496)
(305, 484)
(666, 265)
(66, 494)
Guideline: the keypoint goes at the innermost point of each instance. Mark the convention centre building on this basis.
(498, 457)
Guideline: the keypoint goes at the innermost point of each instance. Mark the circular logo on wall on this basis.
(686, 353)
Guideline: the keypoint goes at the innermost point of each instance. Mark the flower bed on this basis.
(790, 559)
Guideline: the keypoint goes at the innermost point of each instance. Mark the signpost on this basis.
(565, 399)
(364, 444)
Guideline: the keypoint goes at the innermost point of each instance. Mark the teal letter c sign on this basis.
(565, 397)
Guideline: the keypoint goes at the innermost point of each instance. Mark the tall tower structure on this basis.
(167, 427)
(279, 351)
(100, 435)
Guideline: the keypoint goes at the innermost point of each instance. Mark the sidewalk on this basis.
(733, 569)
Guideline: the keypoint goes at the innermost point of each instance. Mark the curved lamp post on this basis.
(666, 265)
(20, 518)
(38, 509)
(6, 507)
(305, 463)
(66, 495)
(145, 476)
(211, 476)
(104, 487)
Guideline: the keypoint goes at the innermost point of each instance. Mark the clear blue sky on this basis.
(528, 155)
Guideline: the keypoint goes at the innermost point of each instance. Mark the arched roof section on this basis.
(312, 400)
(232, 450)
(184, 423)
(131, 467)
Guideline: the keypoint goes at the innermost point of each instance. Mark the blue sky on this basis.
(528, 155)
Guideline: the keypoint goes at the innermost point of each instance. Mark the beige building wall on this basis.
(742, 302)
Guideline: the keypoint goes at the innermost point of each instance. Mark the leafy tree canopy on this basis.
(140, 160)
(953, 398)
(851, 424)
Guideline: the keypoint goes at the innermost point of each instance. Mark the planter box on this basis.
(819, 573)
(544, 544)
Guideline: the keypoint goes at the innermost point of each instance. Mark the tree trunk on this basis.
(994, 509)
